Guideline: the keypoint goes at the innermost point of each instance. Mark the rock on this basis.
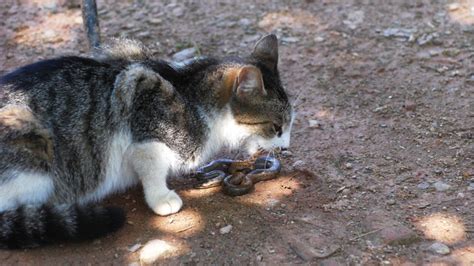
(427, 38)
(348, 166)
(454, 6)
(391, 202)
(406, 34)
(286, 153)
(52, 6)
(245, 22)
(470, 187)
(388, 231)
(225, 230)
(354, 19)
(423, 185)
(290, 39)
(398, 235)
(380, 109)
(409, 105)
(153, 250)
(272, 202)
(298, 165)
(441, 186)
(135, 247)
(143, 34)
(184, 54)
(178, 11)
(307, 252)
(318, 39)
(155, 21)
(439, 248)
(451, 52)
(314, 124)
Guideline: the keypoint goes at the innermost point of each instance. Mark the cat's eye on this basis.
(278, 130)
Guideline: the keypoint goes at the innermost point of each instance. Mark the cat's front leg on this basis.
(152, 161)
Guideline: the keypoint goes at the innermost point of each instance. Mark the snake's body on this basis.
(237, 177)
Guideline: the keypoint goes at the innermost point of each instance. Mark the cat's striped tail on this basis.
(31, 226)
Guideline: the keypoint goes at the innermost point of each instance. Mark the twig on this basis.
(185, 229)
(295, 250)
(365, 234)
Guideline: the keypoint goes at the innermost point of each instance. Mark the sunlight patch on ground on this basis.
(270, 192)
(53, 29)
(42, 3)
(464, 256)
(186, 222)
(195, 193)
(157, 249)
(442, 227)
(462, 12)
(293, 19)
(324, 114)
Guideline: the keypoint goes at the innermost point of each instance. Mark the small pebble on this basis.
(298, 164)
(348, 166)
(423, 185)
(391, 202)
(286, 153)
(441, 186)
(454, 6)
(439, 248)
(225, 230)
(290, 39)
(135, 247)
(245, 22)
(470, 187)
(314, 124)
(155, 21)
(319, 39)
(178, 12)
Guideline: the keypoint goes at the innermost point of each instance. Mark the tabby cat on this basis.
(74, 130)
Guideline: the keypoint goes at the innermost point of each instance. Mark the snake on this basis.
(237, 177)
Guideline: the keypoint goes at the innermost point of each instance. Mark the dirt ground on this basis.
(381, 169)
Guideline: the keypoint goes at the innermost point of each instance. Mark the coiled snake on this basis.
(237, 177)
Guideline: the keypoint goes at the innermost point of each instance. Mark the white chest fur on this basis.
(118, 174)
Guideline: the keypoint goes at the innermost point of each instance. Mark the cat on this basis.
(75, 129)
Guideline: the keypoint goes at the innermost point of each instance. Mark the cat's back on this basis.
(55, 85)
(55, 74)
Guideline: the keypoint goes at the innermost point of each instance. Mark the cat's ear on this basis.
(266, 51)
(249, 82)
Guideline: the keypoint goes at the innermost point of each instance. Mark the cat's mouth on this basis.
(257, 147)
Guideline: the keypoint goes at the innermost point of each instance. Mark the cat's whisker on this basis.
(294, 104)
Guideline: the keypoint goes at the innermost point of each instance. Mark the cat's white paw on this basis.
(166, 204)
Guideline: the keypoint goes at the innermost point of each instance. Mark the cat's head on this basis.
(259, 103)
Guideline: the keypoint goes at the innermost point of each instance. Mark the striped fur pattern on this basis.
(74, 130)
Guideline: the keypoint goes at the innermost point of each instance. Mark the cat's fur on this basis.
(74, 130)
